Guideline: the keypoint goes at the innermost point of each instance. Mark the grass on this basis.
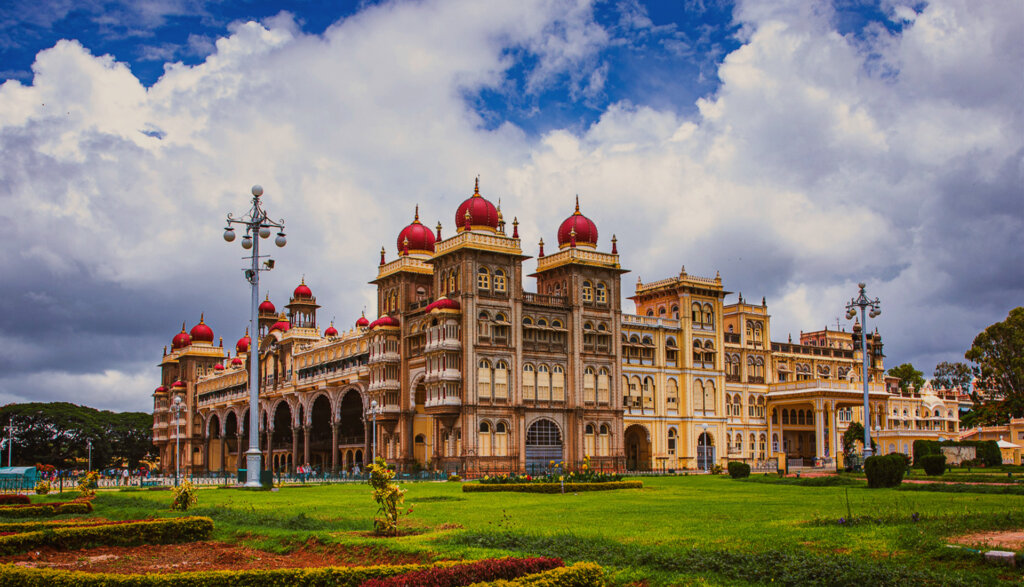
(675, 530)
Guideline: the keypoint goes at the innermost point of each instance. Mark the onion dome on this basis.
(218, 367)
(362, 322)
(179, 384)
(282, 325)
(201, 332)
(237, 361)
(302, 292)
(416, 238)
(585, 230)
(331, 330)
(385, 321)
(482, 213)
(267, 307)
(444, 304)
(160, 389)
(242, 346)
(182, 339)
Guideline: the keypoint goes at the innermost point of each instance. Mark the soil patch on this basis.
(1004, 539)
(205, 556)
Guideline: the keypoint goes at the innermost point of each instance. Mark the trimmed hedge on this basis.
(10, 574)
(19, 527)
(578, 575)
(45, 509)
(160, 531)
(738, 470)
(552, 487)
(473, 572)
(934, 464)
(9, 498)
(885, 471)
(987, 451)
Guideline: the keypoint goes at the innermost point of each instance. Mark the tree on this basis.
(854, 434)
(908, 376)
(998, 357)
(950, 375)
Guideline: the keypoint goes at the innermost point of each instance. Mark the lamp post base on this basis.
(252, 467)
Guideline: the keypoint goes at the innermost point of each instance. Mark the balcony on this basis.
(545, 300)
(450, 405)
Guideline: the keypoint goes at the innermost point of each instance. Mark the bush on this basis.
(88, 483)
(184, 496)
(43, 487)
(454, 478)
(165, 531)
(476, 571)
(884, 471)
(934, 464)
(738, 470)
(388, 497)
(551, 487)
(903, 458)
(45, 509)
(578, 575)
(9, 498)
(987, 452)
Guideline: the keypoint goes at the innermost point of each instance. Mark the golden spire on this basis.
(577, 212)
(476, 187)
(183, 326)
(416, 220)
(201, 317)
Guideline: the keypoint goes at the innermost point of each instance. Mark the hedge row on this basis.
(553, 487)
(473, 572)
(9, 498)
(885, 471)
(45, 509)
(162, 531)
(19, 527)
(580, 575)
(986, 451)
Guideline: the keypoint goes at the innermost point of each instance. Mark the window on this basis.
(672, 395)
(675, 312)
(589, 440)
(603, 384)
(602, 293)
(529, 382)
(588, 292)
(483, 278)
(485, 439)
(500, 440)
(483, 380)
(500, 380)
(543, 383)
(648, 393)
(671, 441)
(500, 283)
(558, 384)
(604, 441)
(589, 385)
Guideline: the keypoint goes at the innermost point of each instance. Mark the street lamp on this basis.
(256, 223)
(177, 437)
(373, 414)
(864, 303)
(88, 445)
(707, 463)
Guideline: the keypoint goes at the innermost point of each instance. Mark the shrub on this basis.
(454, 478)
(388, 497)
(45, 509)
(884, 471)
(934, 464)
(165, 531)
(184, 496)
(738, 470)
(550, 487)
(477, 571)
(578, 575)
(903, 458)
(9, 498)
(88, 483)
(43, 487)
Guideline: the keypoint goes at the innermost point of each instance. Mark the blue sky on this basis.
(797, 147)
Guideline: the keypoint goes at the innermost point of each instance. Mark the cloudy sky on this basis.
(797, 147)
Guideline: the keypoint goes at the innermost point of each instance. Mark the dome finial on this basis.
(476, 187)
(541, 244)
(416, 219)
(515, 227)
(183, 326)
(438, 230)
(615, 248)
(201, 316)
(577, 205)
(382, 256)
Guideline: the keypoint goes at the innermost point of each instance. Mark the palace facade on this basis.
(472, 372)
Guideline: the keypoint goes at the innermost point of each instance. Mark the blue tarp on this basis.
(18, 477)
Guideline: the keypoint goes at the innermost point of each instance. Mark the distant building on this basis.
(471, 372)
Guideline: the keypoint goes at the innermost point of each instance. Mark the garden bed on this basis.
(551, 487)
(1005, 539)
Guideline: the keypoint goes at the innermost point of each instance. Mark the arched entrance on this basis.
(318, 454)
(705, 451)
(420, 449)
(214, 445)
(233, 451)
(638, 448)
(543, 445)
(351, 432)
(282, 441)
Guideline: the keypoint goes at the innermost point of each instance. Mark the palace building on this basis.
(473, 373)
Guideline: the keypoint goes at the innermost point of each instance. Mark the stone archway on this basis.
(318, 445)
(214, 457)
(281, 456)
(638, 448)
(705, 451)
(543, 445)
(351, 428)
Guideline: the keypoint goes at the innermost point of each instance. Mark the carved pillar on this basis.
(819, 432)
(305, 443)
(223, 453)
(270, 449)
(295, 448)
(334, 447)
(238, 452)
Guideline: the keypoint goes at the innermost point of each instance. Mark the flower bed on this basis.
(581, 574)
(556, 487)
(557, 474)
(45, 509)
(10, 498)
(474, 572)
(161, 531)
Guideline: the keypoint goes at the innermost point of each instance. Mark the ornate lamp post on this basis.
(864, 303)
(256, 223)
(373, 414)
(177, 439)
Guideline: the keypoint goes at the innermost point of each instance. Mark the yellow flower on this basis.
(561, 477)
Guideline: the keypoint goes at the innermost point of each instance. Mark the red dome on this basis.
(302, 292)
(178, 384)
(331, 330)
(586, 230)
(385, 321)
(482, 214)
(201, 332)
(160, 389)
(218, 367)
(421, 238)
(182, 340)
(237, 361)
(242, 346)
(444, 304)
(362, 322)
(282, 325)
(267, 307)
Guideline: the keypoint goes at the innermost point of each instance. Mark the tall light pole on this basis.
(863, 303)
(88, 445)
(177, 438)
(373, 445)
(10, 440)
(707, 462)
(257, 224)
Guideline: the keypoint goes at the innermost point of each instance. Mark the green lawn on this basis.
(675, 530)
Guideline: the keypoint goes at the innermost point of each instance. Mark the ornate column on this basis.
(334, 447)
(295, 448)
(305, 443)
(270, 449)
(819, 430)
(223, 453)
(238, 451)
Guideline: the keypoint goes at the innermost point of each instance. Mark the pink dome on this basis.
(420, 238)
(237, 361)
(182, 339)
(302, 292)
(444, 304)
(586, 230)
(482, 214)
(331, 330)
(242, 346)
(267, 307)
(201, 332)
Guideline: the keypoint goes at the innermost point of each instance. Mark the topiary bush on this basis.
(43, 487)
(184, 496)
(884, 471)
(738, 470)
(934, 464)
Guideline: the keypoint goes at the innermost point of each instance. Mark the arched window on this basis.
(672, 441)
(500, 380)
(675, 312)
(589, 440)
(483, 380)
(589, 385)
(603, 386)
(648, 393)
(708, 316)
(604, 441)
(672, 395)
(527, 321)
(499, 442)
(543, 383)
(483, 278)
(588, 292)
(500, 282)
(529, 382)
(602, 293)
(558, 384)
(485, 439)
